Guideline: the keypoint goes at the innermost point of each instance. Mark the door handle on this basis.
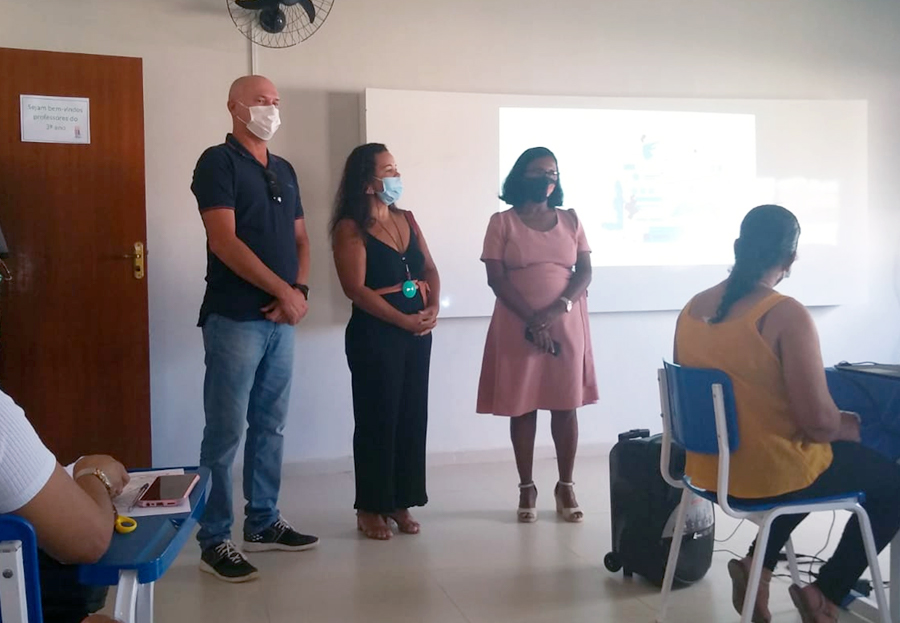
(137, 259)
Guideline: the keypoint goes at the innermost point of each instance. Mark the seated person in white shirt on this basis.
(72, 517)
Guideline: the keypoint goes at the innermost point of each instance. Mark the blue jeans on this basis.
(249, 367)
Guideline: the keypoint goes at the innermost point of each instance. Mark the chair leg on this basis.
(792, 562)
(14, 587)
(144, 607)
(759, 553)
(127, 596)
(872, 554)
(674, 550)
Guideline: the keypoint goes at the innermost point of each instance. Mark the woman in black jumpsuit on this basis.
(387, 272)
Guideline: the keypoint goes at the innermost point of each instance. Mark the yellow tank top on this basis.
(772, 458)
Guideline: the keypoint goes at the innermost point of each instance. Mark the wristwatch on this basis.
(304, 289)
(99, 475)
(567, 302)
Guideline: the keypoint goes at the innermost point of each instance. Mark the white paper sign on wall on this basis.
(47, 119)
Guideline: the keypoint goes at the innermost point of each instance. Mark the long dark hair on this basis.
(351, 201)
(769, 235)
(514, 187)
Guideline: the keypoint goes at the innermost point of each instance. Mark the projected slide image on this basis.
(652, 188)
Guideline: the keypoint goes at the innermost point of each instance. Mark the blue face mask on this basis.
(393, 189)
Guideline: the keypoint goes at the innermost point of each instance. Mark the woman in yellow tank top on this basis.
(795, 443)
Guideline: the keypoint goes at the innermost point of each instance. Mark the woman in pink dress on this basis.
(538, 349)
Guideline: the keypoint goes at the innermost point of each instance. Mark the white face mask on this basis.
(264, 121)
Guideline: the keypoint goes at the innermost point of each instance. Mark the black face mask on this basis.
(536, 188)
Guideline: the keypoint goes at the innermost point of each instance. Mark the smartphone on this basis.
(530, 337)
(168, 490)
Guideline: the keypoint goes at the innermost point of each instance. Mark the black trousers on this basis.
(389, 367)
(63, 599)
(854, 468)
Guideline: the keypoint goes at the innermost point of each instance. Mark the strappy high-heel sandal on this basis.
(405, 522)
(527, 515)
(572, 515)
(368, 524)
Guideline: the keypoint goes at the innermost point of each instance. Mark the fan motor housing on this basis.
(272, 20)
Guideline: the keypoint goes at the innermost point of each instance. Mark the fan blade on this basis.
(309, 8)
(255, 5)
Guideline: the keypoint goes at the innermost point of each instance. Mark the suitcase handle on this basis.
(635, 433)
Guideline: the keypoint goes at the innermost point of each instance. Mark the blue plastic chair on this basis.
(699, 414)
(20, 588)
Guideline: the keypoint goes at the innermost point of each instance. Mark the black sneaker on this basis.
(226, 563)
(279, 536)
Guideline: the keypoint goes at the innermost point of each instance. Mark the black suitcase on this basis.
(644, 508)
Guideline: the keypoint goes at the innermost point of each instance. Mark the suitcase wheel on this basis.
(612, 562)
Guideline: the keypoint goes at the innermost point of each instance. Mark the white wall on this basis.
(642, 48)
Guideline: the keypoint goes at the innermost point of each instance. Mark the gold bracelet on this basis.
(99, 475)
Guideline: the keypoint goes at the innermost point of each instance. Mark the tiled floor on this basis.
(472, 563)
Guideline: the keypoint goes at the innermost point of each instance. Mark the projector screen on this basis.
(660, 186)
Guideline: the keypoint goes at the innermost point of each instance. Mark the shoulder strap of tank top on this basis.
(413, 225)
(686, 310)
(762, 308)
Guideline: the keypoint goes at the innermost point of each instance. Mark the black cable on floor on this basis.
(827, 540)
(730, 536)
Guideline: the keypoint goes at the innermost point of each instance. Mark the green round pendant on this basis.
(410, 289)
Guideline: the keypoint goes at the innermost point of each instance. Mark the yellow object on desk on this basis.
(125, 525)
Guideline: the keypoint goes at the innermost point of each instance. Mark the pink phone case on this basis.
(157, 503)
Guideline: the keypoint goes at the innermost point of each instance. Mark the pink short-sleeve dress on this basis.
(516, 378)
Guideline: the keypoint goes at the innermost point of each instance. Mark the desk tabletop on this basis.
(153, 546)
(876, 397)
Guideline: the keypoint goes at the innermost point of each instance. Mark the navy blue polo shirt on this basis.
(227, 176)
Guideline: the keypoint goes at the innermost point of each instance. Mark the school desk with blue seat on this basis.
(133, 563)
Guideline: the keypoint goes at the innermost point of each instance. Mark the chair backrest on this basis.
(691, 412)
(13, 529)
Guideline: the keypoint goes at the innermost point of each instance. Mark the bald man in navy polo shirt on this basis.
(257, 270)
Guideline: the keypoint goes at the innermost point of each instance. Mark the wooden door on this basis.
(74, 339)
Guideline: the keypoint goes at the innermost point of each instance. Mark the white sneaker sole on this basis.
(276, 547)
(206, 568)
